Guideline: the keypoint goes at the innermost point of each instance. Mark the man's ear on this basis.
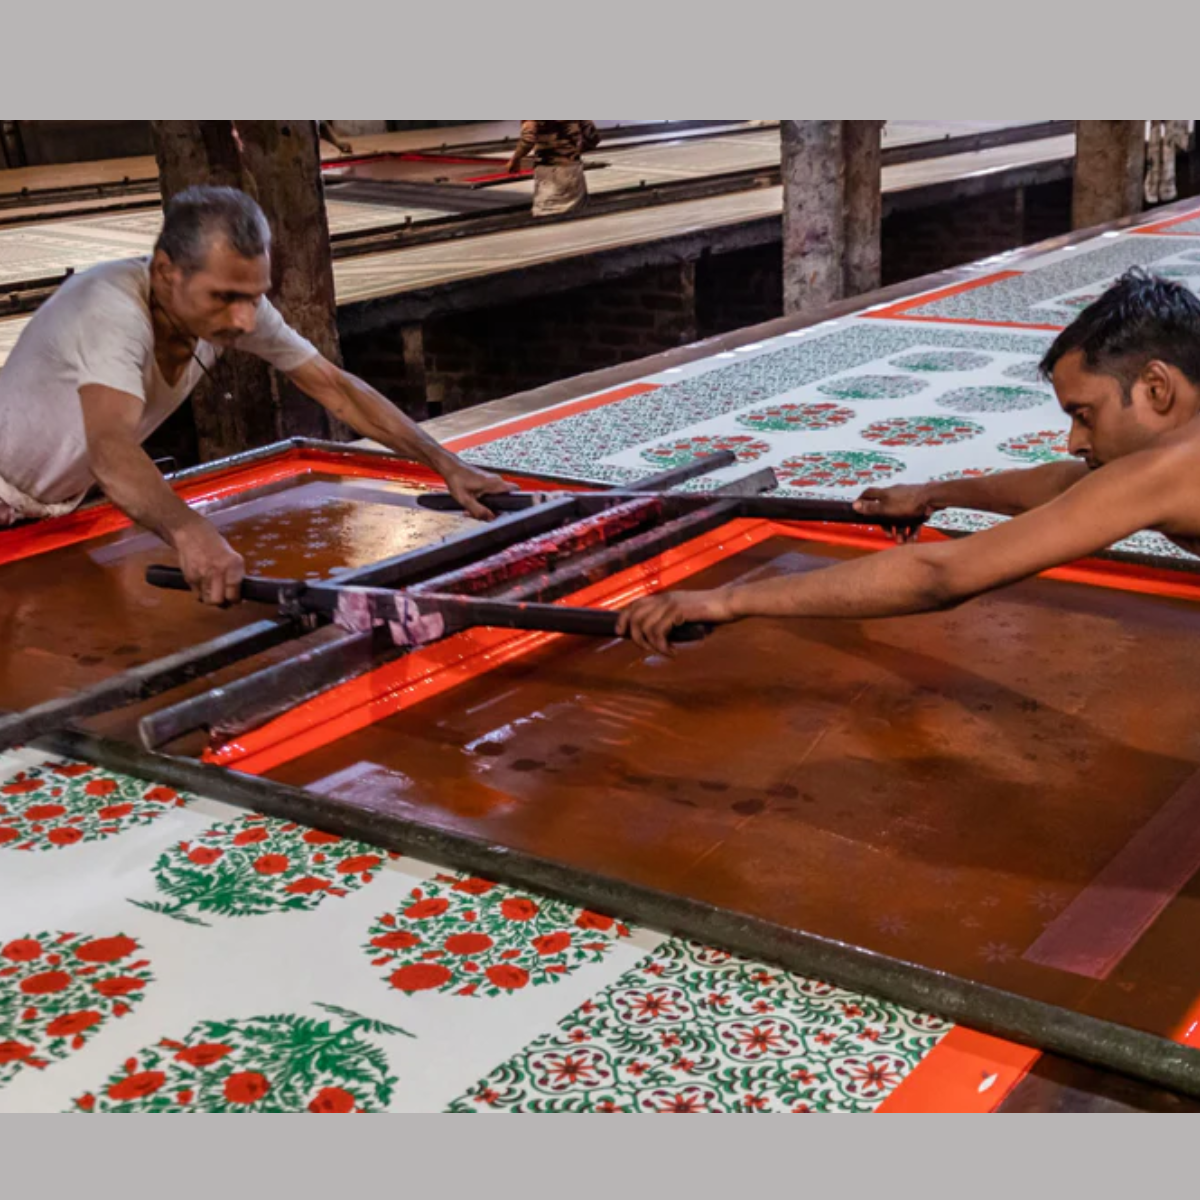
(162, 268)
(1158, 383)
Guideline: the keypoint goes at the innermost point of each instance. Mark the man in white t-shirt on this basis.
(119, 347)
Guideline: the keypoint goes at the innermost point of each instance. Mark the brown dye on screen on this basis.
(939, 788)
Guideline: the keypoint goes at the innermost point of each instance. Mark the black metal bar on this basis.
(763, 507)
(754, 484)
(251, 701)
(501, 503)
(991, 1010)
(150, 679)
(464, 612)
(795, 508)
(255, 588)
(520, 501)
(704, 465)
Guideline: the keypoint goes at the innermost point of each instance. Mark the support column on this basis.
(862, 150)
(813, 221)
(282, 162)
(1110, 161)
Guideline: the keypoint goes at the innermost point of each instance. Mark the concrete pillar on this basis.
(282, 162)
(814, 240)
(1110, 161)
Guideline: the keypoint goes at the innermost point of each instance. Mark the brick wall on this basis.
(476, 356)
(739, 289)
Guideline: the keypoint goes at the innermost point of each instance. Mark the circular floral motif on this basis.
(686, 450)
(60, 804)
(473, 937)
(556, 1072)
(1024, 372)
(1045, 445)
(58, 989)
(942, 360)
(848, 468)
(788, 418)
(257, 865)
(992, 399)
(871, 1077)
(921, 431)
(261, 1064)
(752, 1041)
(691, 1098)
(652, 1006)
(873, 387)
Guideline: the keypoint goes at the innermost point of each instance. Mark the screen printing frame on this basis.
(983, 1008)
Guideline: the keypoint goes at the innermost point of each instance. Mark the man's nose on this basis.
(1079, 444)
(244, 314)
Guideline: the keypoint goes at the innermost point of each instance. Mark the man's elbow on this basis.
(942, 584)
(104, 458)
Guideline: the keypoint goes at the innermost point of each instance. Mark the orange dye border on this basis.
(902, 309)
(555, 412)
(1165, 226)
(1188, 1030)
(95, 521)
(966, 1072)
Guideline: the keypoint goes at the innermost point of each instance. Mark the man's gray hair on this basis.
(194, 218)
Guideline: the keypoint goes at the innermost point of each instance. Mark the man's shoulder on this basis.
(112, 295)
(124, 278)
(104, 307)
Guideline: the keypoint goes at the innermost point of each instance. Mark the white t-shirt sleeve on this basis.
(275, 341)
(113, 346)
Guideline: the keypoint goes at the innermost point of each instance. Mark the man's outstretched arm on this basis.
(134, 484)
(1139, 492)
(1007, 492)
(371, 414)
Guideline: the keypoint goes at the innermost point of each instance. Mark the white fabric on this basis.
(96, 329)
(557, 190)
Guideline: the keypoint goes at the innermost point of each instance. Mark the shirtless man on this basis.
(119, 347)
(1127, 374)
